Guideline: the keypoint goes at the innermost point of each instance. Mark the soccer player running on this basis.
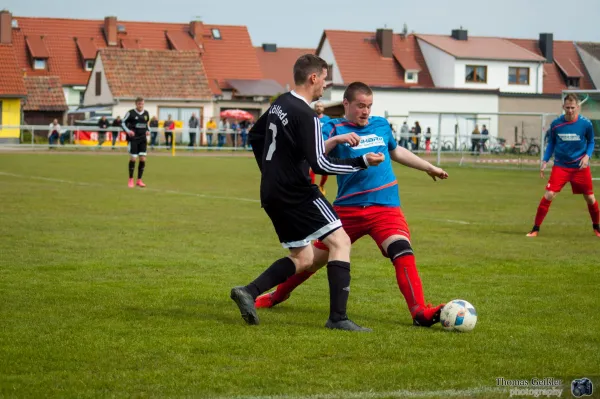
(135, 124)
(571, 140)
(320, 110)
(283, 139)
(368, 202)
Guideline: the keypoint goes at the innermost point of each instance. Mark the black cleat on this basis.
(346, 325)
(245, 302)
(428, 316)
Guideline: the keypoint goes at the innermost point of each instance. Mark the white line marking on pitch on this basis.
(380, 395)
(455, 221)
(50, 179)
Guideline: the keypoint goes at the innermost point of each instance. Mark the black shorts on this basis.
(138, 147)
(297, 226)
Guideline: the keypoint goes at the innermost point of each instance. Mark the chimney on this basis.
(546, 44)
(5, 27)
(269, 47)
(110, 30)
(197, 30)
(460, 34)
(383, 37)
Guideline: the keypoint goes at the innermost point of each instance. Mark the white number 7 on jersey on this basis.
(273, 128)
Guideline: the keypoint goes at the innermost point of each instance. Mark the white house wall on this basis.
(327, 54)
(440, 64)
(411, 106)
(497, 76)
(90, 98)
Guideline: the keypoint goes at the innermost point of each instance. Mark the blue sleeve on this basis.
(589, 135)
(551, 144)
(391, 141)
(328, 130)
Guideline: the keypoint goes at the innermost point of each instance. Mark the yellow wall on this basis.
(11, 115)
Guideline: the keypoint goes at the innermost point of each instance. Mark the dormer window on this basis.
(39, 63)
(88, 65)
(573, 82)
(216, 34)
(411, 77)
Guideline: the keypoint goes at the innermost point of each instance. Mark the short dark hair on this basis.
(306, 65)
(571, 97)
(356, 87)
(137, 100)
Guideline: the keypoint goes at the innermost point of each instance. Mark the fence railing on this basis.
(94, 137)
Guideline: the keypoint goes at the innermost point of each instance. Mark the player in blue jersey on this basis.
(571, 140)
(320, 110)
(368, 203)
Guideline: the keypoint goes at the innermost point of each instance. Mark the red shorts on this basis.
(380, 222)
(580, 179)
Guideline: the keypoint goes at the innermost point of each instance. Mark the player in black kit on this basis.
(135, 124)
(283, 140)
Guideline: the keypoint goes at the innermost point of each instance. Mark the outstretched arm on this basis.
(407, 158)
(314, 150)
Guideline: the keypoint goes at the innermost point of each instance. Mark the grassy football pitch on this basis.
(110, 291)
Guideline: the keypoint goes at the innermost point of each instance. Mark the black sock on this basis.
(596, 227)
(338, 274)
(535, 228)
(276, 274)
(131, 169)
(141, 167)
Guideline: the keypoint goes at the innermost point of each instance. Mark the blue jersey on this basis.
(324, 119)
(570, 141)
(373, 186)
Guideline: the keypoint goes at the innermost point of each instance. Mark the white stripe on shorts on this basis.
(322, 231)
(323, 210)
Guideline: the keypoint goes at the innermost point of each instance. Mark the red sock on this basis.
(542, 211)
(323, 180)
(290, 284)
(594, 212)
(312, 176)
(409, 282)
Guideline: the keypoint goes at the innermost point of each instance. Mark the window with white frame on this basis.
(39, 63)
(216, 34)
(411, 76)
(88, 65)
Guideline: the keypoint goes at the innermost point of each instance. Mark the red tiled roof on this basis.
(44, 93)
(87, 47)
(11, 76)
(36, 47)
(279, 65)
(130, 43)
(232, 57)
(569, 68)
(155, 74)
(182, 41)
(565, 53)
(359, 59)
(481, 48)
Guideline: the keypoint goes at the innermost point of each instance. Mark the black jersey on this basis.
(286, 140)
(136, 122)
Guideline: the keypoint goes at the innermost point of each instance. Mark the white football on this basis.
(458, 315)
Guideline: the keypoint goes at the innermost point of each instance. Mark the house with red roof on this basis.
(12, 85)
(452, 82)
(67, 49)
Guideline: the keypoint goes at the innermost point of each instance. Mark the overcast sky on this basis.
(301, 23)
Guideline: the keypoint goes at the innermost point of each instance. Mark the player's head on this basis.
(310, 72)
(319, 108)
(139, 104)
(358, 100)
(571, 106)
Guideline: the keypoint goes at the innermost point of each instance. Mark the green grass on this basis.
(109, 291)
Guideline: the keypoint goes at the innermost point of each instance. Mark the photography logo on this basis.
(582, 387)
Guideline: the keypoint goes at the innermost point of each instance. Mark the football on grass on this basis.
(458, 315)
